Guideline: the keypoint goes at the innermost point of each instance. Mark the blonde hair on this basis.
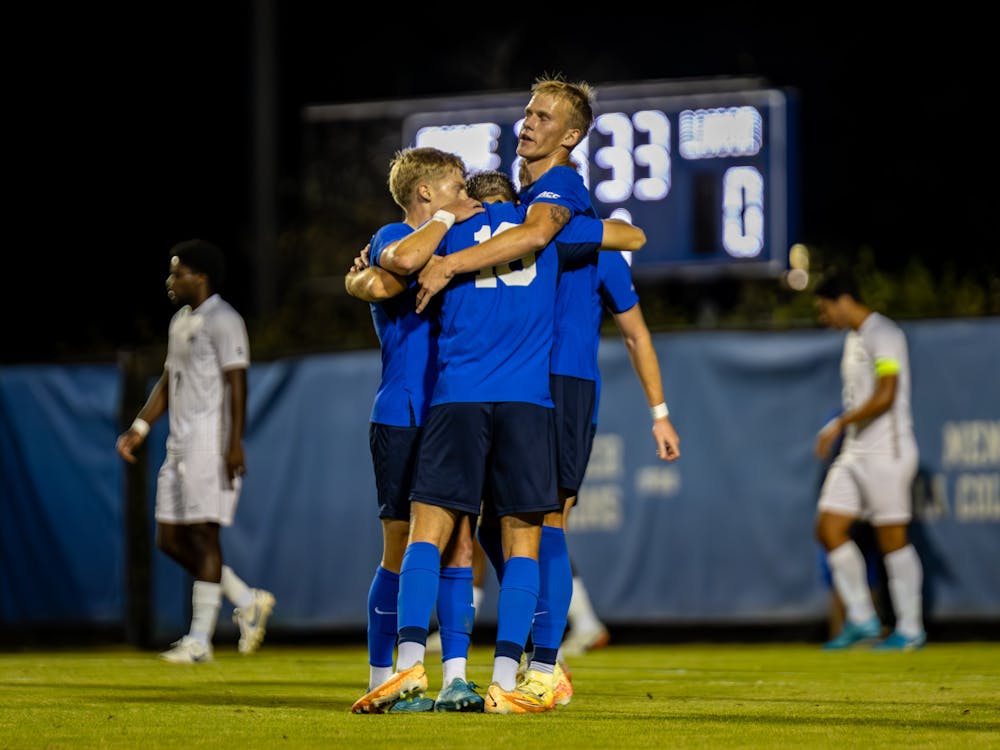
(580, 96)
(412, 166)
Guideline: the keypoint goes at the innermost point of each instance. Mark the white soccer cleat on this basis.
(581, 641)
(253, 620)
(188, 650)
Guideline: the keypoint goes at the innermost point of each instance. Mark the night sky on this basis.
(141, 132)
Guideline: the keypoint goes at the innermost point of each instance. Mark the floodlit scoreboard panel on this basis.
(708, 176)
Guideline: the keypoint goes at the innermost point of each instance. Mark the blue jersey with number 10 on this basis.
(497, 325)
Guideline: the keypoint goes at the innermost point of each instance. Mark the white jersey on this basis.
(202, 345)
(877, 347)
(872, 476)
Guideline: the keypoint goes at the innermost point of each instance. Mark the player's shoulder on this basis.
(391, 232)
(562, 185)
(219, 312)
(879, 323)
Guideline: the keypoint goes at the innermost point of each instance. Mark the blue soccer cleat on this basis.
(459, 695)
(899, 642)
(415, 704)
(855, 633)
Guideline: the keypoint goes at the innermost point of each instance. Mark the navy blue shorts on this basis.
(394, 456)
(575, 400)
(510, 445)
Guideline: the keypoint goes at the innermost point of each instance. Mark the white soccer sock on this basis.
(849, 573)
(906, 579)
(235, 589)
(408, 654)
(505, 672)
(378, 675)
(453, 668)
(206, 598)
(582, 617)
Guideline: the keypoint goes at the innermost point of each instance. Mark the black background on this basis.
(133, 130)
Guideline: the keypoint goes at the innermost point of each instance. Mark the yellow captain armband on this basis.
(886, 366)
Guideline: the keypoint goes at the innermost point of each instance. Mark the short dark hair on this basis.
(836, 283)
(203, 257)
(481, 185)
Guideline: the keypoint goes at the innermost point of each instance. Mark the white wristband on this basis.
(445, 217)
(659, 411)
(140, 427)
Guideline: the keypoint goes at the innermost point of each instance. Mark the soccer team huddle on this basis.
(488, 300)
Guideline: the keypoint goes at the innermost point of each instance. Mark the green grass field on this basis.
(674, 696)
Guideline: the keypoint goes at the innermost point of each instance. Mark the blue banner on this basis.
(724, 535)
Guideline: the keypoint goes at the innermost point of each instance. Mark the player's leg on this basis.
(434, 645)
(891, 514)
(446, 485)
(202, 539)
(394, 454)
(554, 593)
(252, 607)
(456, 611)
(586, 630)
(524, 490)
(849, 573)
(518, 595)
(839, 506)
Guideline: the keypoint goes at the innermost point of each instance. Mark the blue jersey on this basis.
(409, 346)
(578, 310)
(496, 326)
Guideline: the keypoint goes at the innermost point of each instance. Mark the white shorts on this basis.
(194, 488)
(870, 486)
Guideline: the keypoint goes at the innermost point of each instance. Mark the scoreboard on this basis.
(706, 167)
(708, 175)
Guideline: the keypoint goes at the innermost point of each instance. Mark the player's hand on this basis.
(668, 444)
(464, 208)
(235, 462)
(827, 437)
(361, 261)
(433, 278)
(127, 442)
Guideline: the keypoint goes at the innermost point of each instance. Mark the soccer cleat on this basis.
(461, 696)
(413, 705)
(581, 641)
(433, 645)
(531, 696)
(400, 685)
(562, 686)
(896, 641)
(561, 662)
(253, 619)
(854, 633)
(188, 650)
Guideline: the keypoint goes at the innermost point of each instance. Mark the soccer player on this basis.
(421, 181)
(490, 425)
(204, 388)
(872, 476)
(558, 116)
